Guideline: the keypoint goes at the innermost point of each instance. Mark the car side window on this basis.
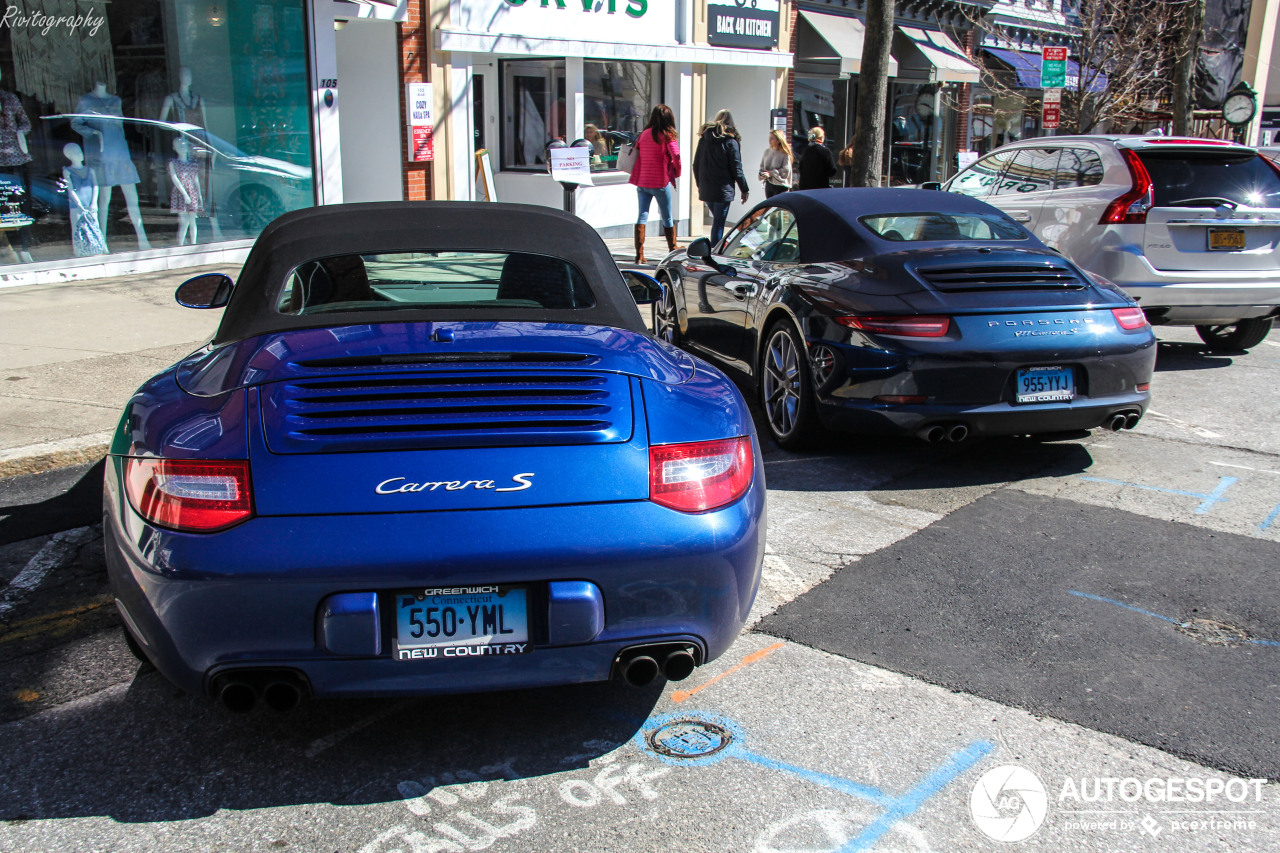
(1032, 171)
(787, 250)
(735, 233)
(1078, 167)
(757, 240)
(978, 179)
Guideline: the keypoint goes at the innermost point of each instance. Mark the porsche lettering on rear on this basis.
(397, 485)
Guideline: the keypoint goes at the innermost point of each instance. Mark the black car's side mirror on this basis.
(931, 185)
(645, 290)
(700, 249)
(211, 290)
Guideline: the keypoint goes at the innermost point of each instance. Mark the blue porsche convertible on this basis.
(430, 449)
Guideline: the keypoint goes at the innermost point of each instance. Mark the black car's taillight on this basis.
(192, 495)
(908, 326)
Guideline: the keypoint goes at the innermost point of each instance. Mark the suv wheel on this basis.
(1240, 336)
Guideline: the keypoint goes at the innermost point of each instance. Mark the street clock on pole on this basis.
(1240, 106)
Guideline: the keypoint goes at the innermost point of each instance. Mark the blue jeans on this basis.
(719, 213)
(663, 195)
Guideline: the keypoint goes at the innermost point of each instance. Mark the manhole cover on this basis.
(689, 739)
(1214, 633)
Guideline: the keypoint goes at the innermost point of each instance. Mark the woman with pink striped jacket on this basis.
(656, 169)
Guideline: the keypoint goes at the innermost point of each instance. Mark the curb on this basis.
(36, 458)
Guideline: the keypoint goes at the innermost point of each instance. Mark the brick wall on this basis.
(415, 42)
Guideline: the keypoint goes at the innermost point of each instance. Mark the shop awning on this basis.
(467, 41)
(1026, 65)
(830, 46)
(378, 10)
(932, 55)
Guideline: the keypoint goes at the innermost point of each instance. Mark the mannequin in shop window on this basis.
(185, 199)
(82, 204)
(187, 107)
(107, 153)
(14, 160)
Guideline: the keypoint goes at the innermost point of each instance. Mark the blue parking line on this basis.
(1125, 606)
(1207, 501)
(1250, 640)
(910, 802)
(1270, 519)
(835, 783)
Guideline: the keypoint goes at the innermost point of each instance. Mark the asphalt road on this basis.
(852, 733)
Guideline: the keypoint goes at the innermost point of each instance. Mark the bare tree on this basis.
(873, 96)
(1184, 80)
(1127, 51)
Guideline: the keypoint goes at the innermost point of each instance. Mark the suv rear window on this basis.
(1184, 179)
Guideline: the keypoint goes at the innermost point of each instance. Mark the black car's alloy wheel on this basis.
(1241, 335)
(786, 391)
(666, 321)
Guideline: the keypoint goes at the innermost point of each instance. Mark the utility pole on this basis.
(873, 95)
(1184, 75)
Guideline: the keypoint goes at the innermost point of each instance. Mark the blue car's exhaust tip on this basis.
(281, 690)
(640, 665)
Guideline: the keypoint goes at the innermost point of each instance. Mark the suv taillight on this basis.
(700, 476)
(1131, 208)
(192, 495)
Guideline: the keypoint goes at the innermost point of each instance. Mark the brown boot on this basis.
(670, 234)
(640, 244)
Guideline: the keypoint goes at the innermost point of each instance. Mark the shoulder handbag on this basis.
(627, 156)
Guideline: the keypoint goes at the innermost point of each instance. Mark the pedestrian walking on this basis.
(717, 167)
(656, 169)
(817, 163)
(775, 165)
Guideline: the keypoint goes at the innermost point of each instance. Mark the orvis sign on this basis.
(609, 21)
(743, 23)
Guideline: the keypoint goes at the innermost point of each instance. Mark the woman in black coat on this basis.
(817, 163)
(717, 169)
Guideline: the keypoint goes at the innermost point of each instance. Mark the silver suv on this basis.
(1188, 227)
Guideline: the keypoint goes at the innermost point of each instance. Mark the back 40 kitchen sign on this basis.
(744, 23)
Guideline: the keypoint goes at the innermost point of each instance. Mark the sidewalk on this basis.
(71, 354)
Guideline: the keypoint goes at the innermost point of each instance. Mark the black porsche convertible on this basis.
(907, 311)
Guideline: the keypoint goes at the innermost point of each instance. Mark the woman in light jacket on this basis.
(656, 169)
(775, 165)
(717, 167)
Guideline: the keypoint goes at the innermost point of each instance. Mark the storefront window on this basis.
(912, 134)
(175, 123)
(618, 98)
(533, 111)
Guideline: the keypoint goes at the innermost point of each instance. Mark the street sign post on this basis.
(1053, 67)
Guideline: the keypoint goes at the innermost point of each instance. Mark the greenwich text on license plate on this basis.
(461, 622)
(1045, 384)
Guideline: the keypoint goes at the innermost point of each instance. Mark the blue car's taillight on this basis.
(189, 494)
(700, 476)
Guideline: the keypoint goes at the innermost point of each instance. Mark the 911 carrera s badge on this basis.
(396, 485)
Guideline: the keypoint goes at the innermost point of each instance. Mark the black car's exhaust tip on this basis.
(235, 695)
(282, 696)
(1131, 420)
(957, 433)
(640, 670)
(678, 666)
(1116, 422)
(932, 434)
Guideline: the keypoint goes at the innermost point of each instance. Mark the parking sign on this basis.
(1053, 67)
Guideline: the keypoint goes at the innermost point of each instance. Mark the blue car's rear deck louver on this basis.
(952, 279)
(446, 407)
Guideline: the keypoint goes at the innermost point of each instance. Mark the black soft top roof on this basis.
(828, 226)
(421, 226)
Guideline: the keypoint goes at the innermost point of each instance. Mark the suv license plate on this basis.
(1226, 239)
(459, 622)
(1045, 385)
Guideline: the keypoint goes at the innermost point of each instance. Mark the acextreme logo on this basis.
(1008, 803)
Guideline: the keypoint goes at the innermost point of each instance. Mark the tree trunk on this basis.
(873, 95)
(1184, 76)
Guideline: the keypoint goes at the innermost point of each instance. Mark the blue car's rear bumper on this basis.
(249, 597)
